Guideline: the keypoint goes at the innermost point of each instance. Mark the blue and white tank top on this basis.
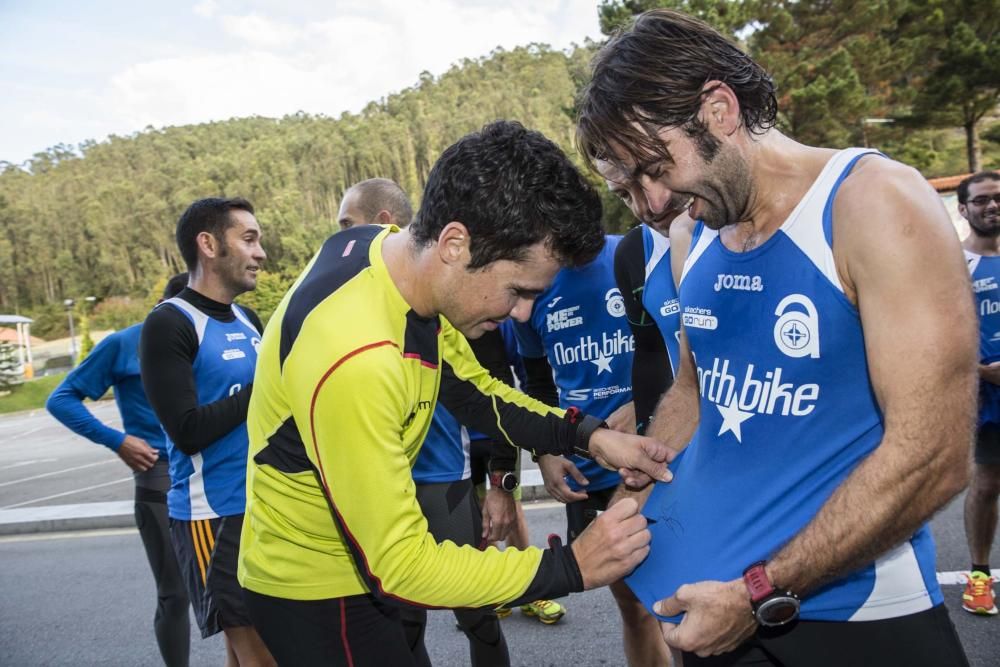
(787, 412)
(579, 324)
(659, 296)
(985, 273)
(212, 483)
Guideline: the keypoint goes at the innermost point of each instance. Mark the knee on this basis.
(631, 609)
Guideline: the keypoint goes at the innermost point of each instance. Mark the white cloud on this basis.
(206, 8)
(277, 57)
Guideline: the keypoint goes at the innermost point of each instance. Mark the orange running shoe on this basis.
(979, 597)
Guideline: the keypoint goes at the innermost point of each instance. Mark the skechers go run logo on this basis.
(671, 307)
(699, 318)
(760, 393)
(563, 319)
(745, 283)
(796, 333)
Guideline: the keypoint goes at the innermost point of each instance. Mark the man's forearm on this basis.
(676, 417)
(912, 474)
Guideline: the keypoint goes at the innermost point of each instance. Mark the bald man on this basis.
(377, 201)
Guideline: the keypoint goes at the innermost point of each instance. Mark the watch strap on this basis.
(758, 583)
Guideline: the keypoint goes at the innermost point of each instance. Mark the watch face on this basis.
(779, 610)
(509, 482)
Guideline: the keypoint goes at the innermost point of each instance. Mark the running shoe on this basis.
(546, 611)
(505, 612)
(979, 597)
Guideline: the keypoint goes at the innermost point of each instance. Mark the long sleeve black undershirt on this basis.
(168, 346)
(651, 374)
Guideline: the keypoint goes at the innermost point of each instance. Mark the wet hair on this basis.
(511, 188)
(175, 285)
(652, 75)
(382, 194)
(206, 215)
(978, 177)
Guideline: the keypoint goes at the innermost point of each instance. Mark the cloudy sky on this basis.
(71, 71)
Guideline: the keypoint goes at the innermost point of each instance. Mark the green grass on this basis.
(30, 395)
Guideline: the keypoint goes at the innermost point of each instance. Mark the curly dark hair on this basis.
(511, 188)
(206, 215)
(652, 74)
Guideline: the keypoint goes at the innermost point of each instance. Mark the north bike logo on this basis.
(563, 319)
(239, 335)
(796, 333)
(671, 307)
(988, 307)
(758, 392)
(598, 352)
(615, 302)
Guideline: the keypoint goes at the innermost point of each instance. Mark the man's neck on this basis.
(982, 245)
(208, 284)
(409, 272)
(782, 170)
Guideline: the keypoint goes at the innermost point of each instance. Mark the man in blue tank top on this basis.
(979, 203)
(197, 355)
(825, 390)
(578, 335)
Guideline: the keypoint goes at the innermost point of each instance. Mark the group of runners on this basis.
(751, 404)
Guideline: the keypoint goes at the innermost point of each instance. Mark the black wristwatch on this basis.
(506, 481)
(771, 607)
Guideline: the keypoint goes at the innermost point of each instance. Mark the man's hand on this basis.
(612, 545)
(990, 372)
(717, 617)
(638, 459)
(623, 419)
(137, 454)
(499, 515)
(554, 470)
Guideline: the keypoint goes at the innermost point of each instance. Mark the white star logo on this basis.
(732, 418)
(603, 363)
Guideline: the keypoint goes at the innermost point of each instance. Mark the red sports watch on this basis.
(503, 480)
(770, 606)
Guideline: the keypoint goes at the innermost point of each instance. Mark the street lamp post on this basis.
(72, 334)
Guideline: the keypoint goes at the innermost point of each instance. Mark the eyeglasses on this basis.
(983, 200)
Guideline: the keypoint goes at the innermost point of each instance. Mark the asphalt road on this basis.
(86, 598)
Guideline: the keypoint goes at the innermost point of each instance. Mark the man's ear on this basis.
(453, 244)
(207, 244)
(720, 108)
(383, 218)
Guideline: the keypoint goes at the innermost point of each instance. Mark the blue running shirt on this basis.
(212, 483)
(579, 324)
(787, 412)
(985, 272)
(659, 296)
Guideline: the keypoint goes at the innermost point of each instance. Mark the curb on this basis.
(121, 513)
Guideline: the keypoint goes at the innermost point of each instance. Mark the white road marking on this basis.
(66, 493)
(26, 463)
(57, 472)
(68, 534)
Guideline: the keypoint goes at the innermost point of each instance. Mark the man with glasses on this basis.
(979, 203)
